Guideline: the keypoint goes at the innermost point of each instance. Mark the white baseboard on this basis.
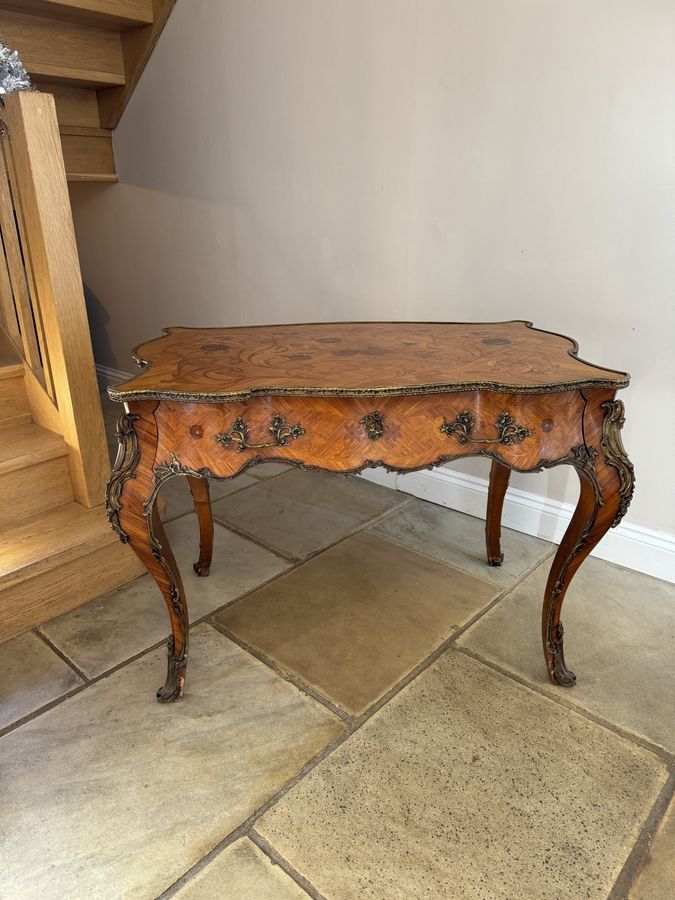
(381, 476)
(634, 546)
(108, 376)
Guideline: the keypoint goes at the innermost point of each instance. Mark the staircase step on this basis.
(56, 562)
(34, 474)
(34, 490)
(102, 13)
(14, 409)
(88, 154)
(10, 369)
(92, 176)
(47, 541)
(41, 543)
(26, 445)
(75, 106)
(64, 51)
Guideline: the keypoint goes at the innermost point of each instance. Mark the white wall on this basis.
(359, 159)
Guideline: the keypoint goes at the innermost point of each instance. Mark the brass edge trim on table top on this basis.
(410, 391)
(212, 397)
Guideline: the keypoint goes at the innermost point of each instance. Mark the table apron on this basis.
(345, 434)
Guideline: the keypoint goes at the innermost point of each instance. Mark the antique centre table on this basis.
(210, 402)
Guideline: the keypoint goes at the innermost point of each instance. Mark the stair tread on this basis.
(64, 51)
(11, 419)
(14, 409)
(10, 369)
(23, 445)
(88, 176)
(51, 539)
(91, 78)
(104, 13)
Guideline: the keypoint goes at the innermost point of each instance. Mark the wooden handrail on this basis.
(42, 205)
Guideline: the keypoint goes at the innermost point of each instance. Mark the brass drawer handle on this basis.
(237, 436)
(508, 430)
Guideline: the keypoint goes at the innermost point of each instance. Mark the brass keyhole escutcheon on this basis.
(374, 425)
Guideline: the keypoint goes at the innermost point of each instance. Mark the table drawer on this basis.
(343, 434)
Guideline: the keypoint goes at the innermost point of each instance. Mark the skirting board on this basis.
(633, 546)
(108, 376)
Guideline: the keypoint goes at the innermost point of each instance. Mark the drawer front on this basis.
(346, 434)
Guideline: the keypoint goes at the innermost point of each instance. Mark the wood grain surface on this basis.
(350, 359)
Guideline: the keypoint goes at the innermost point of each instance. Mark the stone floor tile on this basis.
(112, 791)
(460, 540)
(619, 639)
(103, 633)
(241, 872)
(32, 675)
(178, 498)
(468, 785)
(269, 469)
(656, 881)
(302, 512)
(357, 618)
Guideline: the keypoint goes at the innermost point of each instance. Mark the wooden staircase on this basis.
(56, 553)
(56, 547)
(89, 54)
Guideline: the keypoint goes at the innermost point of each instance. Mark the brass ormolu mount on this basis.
(237, 436)
(374, 425)
(508, 430)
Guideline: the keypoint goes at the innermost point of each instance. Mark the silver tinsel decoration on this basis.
(13, 76)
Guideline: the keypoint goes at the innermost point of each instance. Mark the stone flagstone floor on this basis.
(366, 716)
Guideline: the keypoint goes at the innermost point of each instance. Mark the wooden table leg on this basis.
(199, 488)
(499, 482)
(607, 482)
(130, 503)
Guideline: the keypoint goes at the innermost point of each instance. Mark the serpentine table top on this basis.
(360, 358)
(211, 402)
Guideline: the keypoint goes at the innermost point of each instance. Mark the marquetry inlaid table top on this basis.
(210, 403)
(356, 358)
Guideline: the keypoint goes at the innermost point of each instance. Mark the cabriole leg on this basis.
(130, 504)
(607, 482)
(199, 488)
(499, 482)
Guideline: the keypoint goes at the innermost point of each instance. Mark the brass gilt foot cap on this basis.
(172, 689)
(560, 673)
